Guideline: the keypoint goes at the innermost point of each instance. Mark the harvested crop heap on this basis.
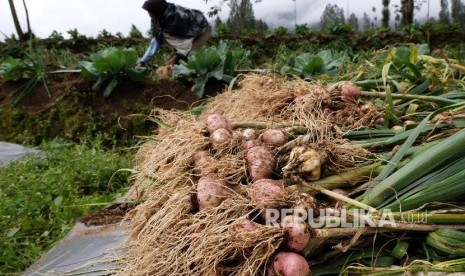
(215, 186)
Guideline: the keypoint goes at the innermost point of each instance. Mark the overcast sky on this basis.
(92, 16)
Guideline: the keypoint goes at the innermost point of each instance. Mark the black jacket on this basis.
(180, 22)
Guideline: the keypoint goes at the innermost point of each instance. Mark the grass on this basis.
(43, 195)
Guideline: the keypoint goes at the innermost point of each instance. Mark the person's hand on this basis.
(172, 61)
(139, 65)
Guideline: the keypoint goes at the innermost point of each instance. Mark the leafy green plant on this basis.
(104, 34)
(56, 36)
(109, 65)
(233, 58)
(427, 26)
(285, 57)
(13, 69)
(280, 30)
(32, 69)
(337, 28)
(218, 62)
(62, 58)
(401, 63)
(74, 33)
(446, 26)
(221, 29)
(302, 29)
(11, 48)
(135, 32)
(249, 32)
(413, 29)
(307, 64)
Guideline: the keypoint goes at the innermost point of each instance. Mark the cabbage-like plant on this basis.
(306, 65)
(219, 62)
(109, 65)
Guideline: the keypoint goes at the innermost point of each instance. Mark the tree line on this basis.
(241, 19)
(451, 12)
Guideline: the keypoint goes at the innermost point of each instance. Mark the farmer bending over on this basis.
(180, 28)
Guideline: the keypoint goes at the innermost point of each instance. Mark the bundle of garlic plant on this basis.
(209, 183)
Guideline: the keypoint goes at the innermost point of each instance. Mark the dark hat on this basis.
(156, 7)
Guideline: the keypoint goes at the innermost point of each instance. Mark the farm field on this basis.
(282, 154)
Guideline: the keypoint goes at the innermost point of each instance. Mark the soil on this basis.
(73, 109)
(164, 94)
(110, 215)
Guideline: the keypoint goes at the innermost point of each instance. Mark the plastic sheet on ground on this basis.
(10, 152)
(89, 251)
(86, 250)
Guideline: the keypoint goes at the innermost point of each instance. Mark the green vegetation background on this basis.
(43, 195)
